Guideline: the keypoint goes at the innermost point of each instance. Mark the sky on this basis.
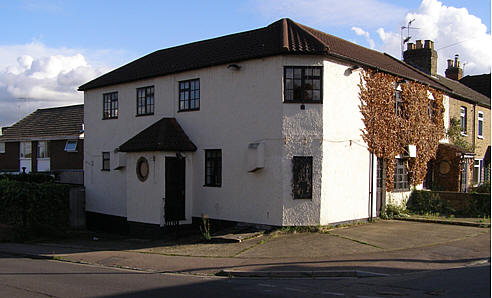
(48, 48)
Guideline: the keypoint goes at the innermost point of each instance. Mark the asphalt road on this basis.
(23, 277)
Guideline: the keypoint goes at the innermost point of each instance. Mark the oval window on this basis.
(142, 169)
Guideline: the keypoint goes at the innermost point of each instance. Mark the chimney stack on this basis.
(422, 56)
(454, 71)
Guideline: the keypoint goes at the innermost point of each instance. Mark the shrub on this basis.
(30, 177)
(390, 211)
(34, 208)
(427, 202)
(478, 205)
(482, 188)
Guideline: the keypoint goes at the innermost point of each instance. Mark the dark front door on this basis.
(174, 208)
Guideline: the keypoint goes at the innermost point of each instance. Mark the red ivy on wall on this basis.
(387, 133)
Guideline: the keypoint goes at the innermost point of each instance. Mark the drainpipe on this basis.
(371, 184)
(474, 131)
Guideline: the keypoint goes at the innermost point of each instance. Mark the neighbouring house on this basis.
(479, 83)
(47, 140)
(467, 108)
(262, 126)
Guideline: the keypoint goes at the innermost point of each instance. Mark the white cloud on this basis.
(35, 76)
(365, 34)
(332, 12)
(453, 30)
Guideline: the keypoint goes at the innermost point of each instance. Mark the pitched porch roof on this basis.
(164, 135)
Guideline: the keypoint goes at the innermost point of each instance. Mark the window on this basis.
(110, 105)
(480, 124)
(398, 103)
(463, 120)
(189, 95)
(401, 175)
(2, 147)
(71, 146)
(43, 149)
(213, 167)
(145, 101)
(302, 84)
(25, 150)
(142, 169)
(302, 172)
(105, 161)
(477, 171)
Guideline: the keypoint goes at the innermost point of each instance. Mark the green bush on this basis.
(390, 211)
(30, 177)
(477, 206)
(427, 202)
(34, 208)
(482, 188)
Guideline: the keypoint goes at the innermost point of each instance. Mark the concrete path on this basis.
(387, 247)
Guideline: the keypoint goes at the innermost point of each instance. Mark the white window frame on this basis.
(43, 145)
(68, 148)
(22, 150)
(463, 120)
(480, 121)
(478, 179)
(2, 147)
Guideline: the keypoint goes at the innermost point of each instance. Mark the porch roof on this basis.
(164, 135)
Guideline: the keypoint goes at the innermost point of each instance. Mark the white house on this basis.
(261, 127)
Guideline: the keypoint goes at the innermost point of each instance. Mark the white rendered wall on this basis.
(345, 183)
(145, 199)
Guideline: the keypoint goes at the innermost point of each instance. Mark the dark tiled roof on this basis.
(463, 92)
(47, 123)
(282, 37)
(479, 83)
(164, 135)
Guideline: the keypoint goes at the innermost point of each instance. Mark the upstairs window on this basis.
(398, 103)
(480, 124)
(43, 151)
(401, 175)
(145, 101)
(463, 120)
(302, 84)
(71, 146)
(189, 95)
(213, 167)
(302, 172)
(2, 147)
(110, 105)
(105, 161)
(25, 150)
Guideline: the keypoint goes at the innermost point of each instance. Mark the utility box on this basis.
(256, 156)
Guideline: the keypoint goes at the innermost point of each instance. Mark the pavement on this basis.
(385, 247)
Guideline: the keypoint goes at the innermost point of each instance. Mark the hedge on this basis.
(430, 202)
(34, 207)
(30, 177)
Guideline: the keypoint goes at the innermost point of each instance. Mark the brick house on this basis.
(471, 108)
(262, 126)
(47, 140)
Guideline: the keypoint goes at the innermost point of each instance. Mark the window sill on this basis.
(401, 190)
(302, 102)
(480, 137)
(104, 170)
(140, 115)
(210, 185)
(464, 134)
(303, 198)
(190, 110)
(110, 118)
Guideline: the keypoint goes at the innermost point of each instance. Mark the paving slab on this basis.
(402, 234)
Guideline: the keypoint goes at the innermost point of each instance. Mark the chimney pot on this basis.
(419, 44)
(410, 46)
(429, 44)
(450, 63)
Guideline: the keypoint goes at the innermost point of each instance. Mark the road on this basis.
(23, 277)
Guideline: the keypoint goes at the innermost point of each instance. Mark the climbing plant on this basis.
(387, 132)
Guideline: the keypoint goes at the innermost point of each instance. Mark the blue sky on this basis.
(48, 48)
